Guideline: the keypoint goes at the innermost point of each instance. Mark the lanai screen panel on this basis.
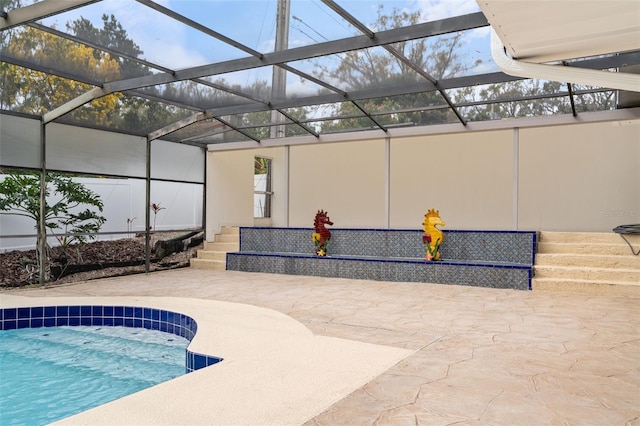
(19, 141)
(96, 152)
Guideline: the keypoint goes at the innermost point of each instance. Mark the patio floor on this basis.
(483, 356)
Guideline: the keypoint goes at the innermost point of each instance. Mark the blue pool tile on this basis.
(155, 319)
(199, 362)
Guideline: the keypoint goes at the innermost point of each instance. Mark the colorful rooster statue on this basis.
(321, 235)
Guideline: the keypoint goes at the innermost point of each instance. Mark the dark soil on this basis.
(88, 261)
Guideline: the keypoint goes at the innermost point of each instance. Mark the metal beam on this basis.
(199, 27)
(226, 123)
(384, 129)
(429, 78)
(95, 93)
(349, 18)
(39, 10)
(178, 125)
(95, 45)
(313, 79)
(399, 55)
(395, 35)
(289, 117)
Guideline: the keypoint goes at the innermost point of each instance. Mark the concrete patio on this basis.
(483, 356)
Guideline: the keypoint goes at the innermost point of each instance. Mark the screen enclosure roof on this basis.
(218, 71)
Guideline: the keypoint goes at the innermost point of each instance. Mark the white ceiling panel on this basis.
(552, 30)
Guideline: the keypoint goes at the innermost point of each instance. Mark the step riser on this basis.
(598, 249)
(590, 263)
(212, 255)
(227, 238)
(230, 230)
(593, 288)
(586, 237)
(588, 274)
(208, 264)
(595, 261)
(221, 246)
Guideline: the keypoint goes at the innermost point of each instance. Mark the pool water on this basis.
(50, 373)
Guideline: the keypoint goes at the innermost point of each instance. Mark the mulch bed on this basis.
(81, 262)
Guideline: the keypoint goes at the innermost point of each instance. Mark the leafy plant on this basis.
(156, 208)
(20, 196)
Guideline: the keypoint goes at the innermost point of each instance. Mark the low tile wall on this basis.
(496, 259)
(100, 315)
(489, 246)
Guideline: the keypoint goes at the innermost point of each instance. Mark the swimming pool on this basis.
(103, 316)
(271, 361)
(50, 373)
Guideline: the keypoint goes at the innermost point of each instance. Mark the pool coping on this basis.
(272, 363)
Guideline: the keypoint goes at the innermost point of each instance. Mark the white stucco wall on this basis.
(467, 177)
(578, 177)
(583, 177)
(345, 179)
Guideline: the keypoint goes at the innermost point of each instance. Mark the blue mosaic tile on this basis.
(98, 315)
(497, 259)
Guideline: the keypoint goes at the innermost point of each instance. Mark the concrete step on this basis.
(230, 230)
(227, 238)
(604, 249)
(216, 246)
(593, 287)
(588, 273)
(589, 260)
(218, 265)
(212, 255)
(586, 237)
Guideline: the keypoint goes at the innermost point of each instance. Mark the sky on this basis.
(252, 23)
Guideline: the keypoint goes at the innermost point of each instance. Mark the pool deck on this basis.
(434, 354)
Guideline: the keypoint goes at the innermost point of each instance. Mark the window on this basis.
(262, 187)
